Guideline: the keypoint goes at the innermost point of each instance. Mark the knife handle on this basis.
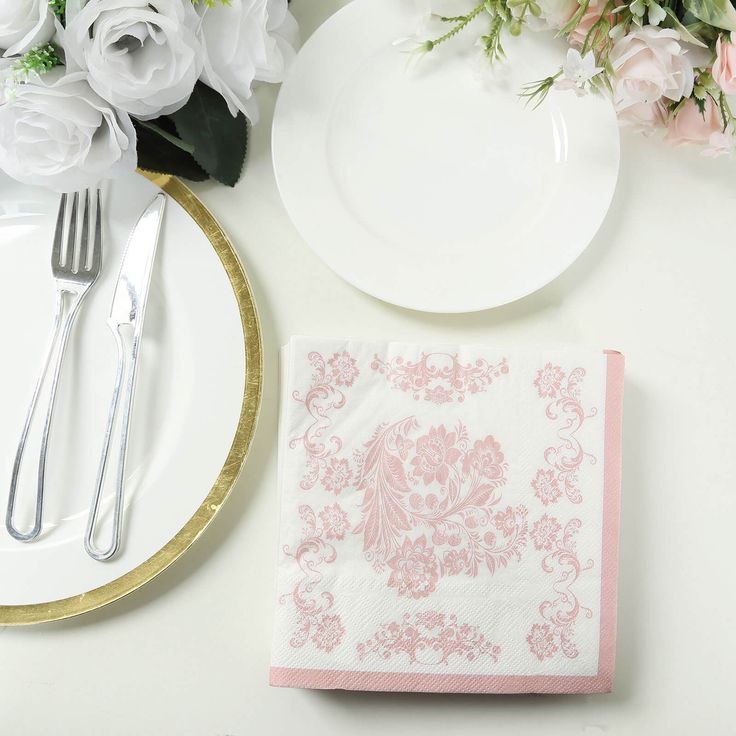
(123, 392)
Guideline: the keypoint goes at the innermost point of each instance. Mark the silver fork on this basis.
(74, 273)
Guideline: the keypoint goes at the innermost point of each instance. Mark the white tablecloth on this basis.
(189, 653)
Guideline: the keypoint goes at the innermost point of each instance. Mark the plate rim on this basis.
(35, 613)
(425, 308)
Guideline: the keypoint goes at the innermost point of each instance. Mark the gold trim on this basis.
(112, 591)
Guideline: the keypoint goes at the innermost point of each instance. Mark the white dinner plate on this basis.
(197, 397)
(430, 185)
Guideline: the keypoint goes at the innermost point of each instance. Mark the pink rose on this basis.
(590, 17)
(724, 68)
(644, 117)
(692, 126)
(555, 13)
(650, 65)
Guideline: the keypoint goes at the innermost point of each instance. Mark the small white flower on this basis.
(577, 71)
(24, 24)
(56, 131)
(720, 144)
(654, 12)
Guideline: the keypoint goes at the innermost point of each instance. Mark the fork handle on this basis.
(60, 332)
(123, 392)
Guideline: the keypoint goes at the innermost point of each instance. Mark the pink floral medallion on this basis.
(337, 475)
(439, 377)
(435, 455)
(335, 522)
(544, 533)
(316, 621)
(414, 569)
(429, 638)
(555, 633)
(325, 395)
(431, 506)
(563, 460)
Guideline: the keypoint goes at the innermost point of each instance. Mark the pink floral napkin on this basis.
(449, 518)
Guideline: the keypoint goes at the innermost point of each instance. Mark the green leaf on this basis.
(706, 33)
(672, 21)
(574, 21)
(219, 139)
(168, 136)
(719, 13)
(157, 154)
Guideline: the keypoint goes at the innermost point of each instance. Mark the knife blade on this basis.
(127, 310)
(131, 291)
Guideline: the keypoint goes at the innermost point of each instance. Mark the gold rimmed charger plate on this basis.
(251, 400)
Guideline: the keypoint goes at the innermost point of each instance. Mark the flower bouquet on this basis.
(666, 64)
(90, 89)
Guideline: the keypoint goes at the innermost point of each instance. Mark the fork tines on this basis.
(70, 258)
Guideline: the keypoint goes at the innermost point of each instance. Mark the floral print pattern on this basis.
(440, 378)
(556, 631)
(344, 368)
(429, 638)
(335, 522)
(436, 452)
(430, 507)
(414, 569)
(544, 533)
(312, 604)
(426, 502)
(541, 641)
(323, 398)
(328, 632)
(505, 522)
(486, 457)
(455, 562)
(546, 487)
(549, 380)
(337, 476)
(563, 460)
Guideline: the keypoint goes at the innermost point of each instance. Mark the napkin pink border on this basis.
(499, 684)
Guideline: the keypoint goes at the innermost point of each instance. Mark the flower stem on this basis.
(725, 108)
(461, 21)
(58, 7)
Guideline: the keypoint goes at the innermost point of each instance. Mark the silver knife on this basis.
(127, 311)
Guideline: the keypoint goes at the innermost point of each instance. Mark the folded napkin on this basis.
(449, 518)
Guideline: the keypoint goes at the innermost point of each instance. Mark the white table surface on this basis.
(188, 654)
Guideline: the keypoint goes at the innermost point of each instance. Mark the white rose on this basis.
(650, 64)
(57, 132)
(140, 58)
(246, 41)
(24, 24)
(7, 76)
